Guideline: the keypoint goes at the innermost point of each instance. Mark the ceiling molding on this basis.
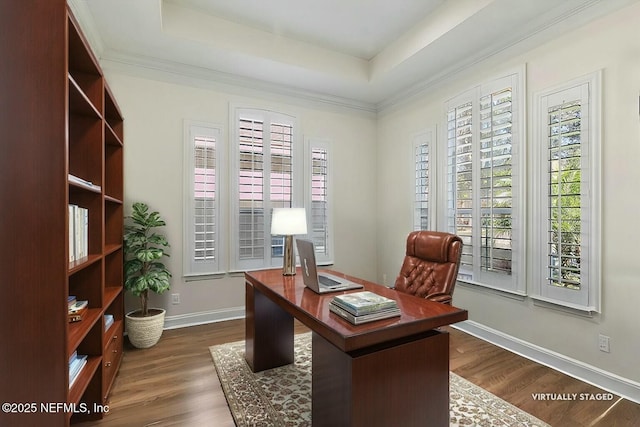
(145, 48)
(88, 25)
(175, 72)
(546, 31)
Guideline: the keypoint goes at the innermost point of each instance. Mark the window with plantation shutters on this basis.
(460, 145)
(251, 175)
(484, 189)
(496, 181)
(564, 225)
(423, 182)
(205, 198)
(567, 254)
(264, 149)
(317, 170)
(202, 213)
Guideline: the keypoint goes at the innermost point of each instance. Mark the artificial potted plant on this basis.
(144, 249)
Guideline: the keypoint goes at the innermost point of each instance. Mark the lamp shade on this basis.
(288, 221)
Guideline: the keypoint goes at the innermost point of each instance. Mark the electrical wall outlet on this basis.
(603, 343)
(175, 298)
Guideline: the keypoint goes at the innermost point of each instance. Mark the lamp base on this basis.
(289, 261)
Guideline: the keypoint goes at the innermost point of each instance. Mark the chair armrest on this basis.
(440, 297)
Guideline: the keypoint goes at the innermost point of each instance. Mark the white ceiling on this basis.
(360, 28)
(360, 52)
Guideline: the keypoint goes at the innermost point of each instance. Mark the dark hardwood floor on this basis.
(175, 383)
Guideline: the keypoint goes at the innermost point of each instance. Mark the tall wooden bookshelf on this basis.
(58, 119)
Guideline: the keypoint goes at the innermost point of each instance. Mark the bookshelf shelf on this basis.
(84, 378)
(78, 186)
(113, 224)
(64, 166)
(79, 103)
(82, 263)
(113, 116)
(78, 330)
(109, 249)
(111, 293)
(110, 199)
(111, 137)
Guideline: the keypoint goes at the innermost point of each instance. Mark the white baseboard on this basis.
(608, 381)
(203, 317)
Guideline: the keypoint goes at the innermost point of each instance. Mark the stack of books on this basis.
(76, 363)
(77, 309)
(78, 232)
(364, 306)
(108, 321)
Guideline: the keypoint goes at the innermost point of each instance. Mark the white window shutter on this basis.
(202, 199)
(424, 172)
(567, 254)
(265, 158)
(319, 198)
(485, 188)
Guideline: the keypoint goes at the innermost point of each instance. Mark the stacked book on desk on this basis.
(362, 307)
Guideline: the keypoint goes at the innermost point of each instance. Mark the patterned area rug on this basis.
(282, 396)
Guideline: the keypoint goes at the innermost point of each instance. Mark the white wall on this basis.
(155, 105)
(374, 182)
(611, 44)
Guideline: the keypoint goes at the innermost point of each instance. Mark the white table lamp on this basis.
(287, 222)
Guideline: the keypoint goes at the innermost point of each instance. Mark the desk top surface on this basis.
(418, 315)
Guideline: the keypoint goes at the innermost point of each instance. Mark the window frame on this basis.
(326, 257)
(515, 282)
(588, 297)
(297, 199)
(425, 138)
(191, 267)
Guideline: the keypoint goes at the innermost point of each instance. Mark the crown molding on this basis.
(159, 69)
(540, 34)
(181, 73)
(83, 15)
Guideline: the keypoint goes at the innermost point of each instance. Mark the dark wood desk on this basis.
(389, 372)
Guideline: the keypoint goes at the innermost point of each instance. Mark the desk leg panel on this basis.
(268, 332)
(405, 384)
(330, 384)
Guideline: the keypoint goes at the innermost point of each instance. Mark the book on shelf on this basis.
(72, 233)
(78, 307)
(108, 321)
(78, 232)
(77, 311)
(364, 318)
(76, 363)
(364, 302)
(77, 180)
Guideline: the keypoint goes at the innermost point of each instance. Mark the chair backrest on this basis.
(430, 266)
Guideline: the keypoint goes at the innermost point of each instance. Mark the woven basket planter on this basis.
(145, 332)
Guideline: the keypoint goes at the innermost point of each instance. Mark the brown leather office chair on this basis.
(430, 266)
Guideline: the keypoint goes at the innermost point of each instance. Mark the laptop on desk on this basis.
(319, 283)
